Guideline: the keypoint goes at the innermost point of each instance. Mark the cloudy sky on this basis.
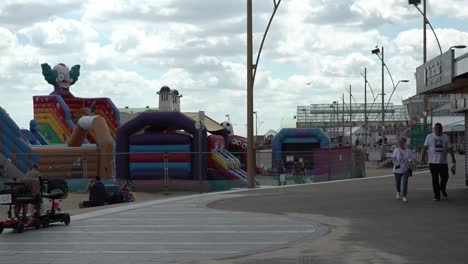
(128, 49)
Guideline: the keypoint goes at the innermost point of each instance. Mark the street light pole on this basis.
(383, 99)
(377, 51)
(365, 107)
(343, 123)
(425, 97)
(250, 142)
(251, 73)
(334, 119)
(350, 118)
(394, 88)
(425, 22)
(424, 33)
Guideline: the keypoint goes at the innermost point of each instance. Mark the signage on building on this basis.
(435, 74)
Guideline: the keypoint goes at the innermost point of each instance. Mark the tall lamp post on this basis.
(251, 73)
(394, 88)
(342, 120)
(377, 51)
(333, 120)
(350, 118)
(372, 105)
(425, 23)
(365, 107)
(366, 119)
(423, 12)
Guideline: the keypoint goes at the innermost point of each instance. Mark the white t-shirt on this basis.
(401, 159)
(438, 147)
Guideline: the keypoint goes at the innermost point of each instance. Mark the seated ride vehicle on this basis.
(18, 194)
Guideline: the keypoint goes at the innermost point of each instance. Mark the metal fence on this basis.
(297, 167)
(199, 172)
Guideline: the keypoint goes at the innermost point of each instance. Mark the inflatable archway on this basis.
(311, 138)
(155, 123)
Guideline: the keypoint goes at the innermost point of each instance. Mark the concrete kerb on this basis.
(132, 206)
(336, 181)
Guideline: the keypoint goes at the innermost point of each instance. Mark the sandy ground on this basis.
(70, 204)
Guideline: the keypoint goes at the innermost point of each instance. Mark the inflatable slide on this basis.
(75, 160)
(223, 161)
(12, 146)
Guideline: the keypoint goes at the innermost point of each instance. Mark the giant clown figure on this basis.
(61, 78)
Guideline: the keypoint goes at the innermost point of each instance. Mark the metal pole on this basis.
(331, 123)
(337, 120)
(466, 148)
(350, 118)
(201, 118)
(383, 100)
(343, 124)
(365, 107)
(425, 97)
(250, 142)
(333, 129)
(424, 32)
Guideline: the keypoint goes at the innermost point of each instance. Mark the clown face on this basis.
(63, 76)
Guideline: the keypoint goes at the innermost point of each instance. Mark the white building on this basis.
(169, 100)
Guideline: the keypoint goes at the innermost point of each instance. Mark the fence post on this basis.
(166, 174)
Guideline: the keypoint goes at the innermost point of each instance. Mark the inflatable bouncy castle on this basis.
(58, 112)
(12, 147)
(155, 148)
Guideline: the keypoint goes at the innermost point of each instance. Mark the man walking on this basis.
(438, 145)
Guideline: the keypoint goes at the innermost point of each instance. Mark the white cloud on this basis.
(448, 8)
(376, 13)
(128, 49)
(60, 35)
(15, 13)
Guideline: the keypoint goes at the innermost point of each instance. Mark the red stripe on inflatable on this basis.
(171, 157)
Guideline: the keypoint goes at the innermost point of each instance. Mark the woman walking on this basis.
(402, 156)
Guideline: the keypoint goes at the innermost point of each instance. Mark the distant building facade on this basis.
(169, 100)
(337, 118)
(127, 113)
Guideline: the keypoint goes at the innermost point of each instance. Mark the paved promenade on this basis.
(355, 221)
(175, 230)
(367, 224)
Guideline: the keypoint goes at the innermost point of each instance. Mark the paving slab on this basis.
(175, 230)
